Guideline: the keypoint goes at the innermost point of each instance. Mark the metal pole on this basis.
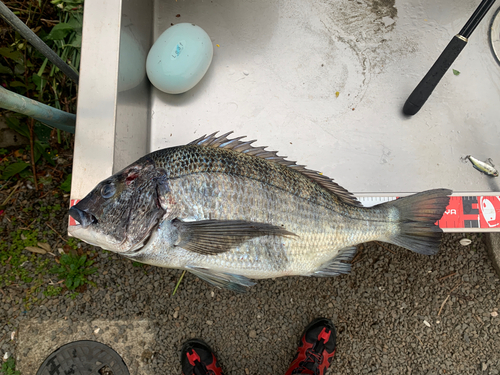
(41, 112)
(26, 32)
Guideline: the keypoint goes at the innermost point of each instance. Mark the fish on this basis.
(232, 213)
(485, 167)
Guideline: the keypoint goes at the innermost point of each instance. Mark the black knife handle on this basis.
(424, 89)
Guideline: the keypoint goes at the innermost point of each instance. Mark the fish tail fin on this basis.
(418, 215)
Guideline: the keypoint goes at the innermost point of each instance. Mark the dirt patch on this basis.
(384, 8)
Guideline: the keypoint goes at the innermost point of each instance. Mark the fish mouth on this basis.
(82, 218)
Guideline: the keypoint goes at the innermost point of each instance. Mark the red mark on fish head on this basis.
(131, 177)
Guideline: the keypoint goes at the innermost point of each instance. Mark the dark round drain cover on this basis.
(83, 358)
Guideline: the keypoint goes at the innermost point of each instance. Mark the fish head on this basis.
(122, 211)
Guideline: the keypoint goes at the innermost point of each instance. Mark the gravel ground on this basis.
(386, 311)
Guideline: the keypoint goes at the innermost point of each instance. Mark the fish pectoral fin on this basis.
(236, 283)
(337, 265)
(211, 237)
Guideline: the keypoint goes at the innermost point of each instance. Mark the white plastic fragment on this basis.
(6, 356)
(494, 314)
(465, 242)
(13, 335)
(427, 323)
(96, 331)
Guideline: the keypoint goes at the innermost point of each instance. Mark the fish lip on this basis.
(82, 217)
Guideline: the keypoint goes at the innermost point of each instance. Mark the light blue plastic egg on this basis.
(179, 58)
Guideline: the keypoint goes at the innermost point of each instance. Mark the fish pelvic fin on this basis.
(236, 283)
(418, 215)
(337, 265)
(210, 237)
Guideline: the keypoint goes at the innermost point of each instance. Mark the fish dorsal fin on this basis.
(245, 147)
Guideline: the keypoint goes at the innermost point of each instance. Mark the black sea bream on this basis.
(229, 212)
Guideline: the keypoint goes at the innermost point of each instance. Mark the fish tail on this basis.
(418, 215)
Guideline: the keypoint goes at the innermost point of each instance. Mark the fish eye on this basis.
(108, 190)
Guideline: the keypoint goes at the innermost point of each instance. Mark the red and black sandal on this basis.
(316, 349)
(198, 359)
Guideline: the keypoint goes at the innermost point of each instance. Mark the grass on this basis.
(40, 168)
(15, 257)
(74, 269)
(9, 367)
(30, 271)
(39, 165)
(26, 71)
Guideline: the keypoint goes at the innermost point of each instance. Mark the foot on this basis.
(316, 349)
(198, 359)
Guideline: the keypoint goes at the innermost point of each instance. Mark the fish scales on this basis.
(222, 185)
(227, 211)
(186, 160)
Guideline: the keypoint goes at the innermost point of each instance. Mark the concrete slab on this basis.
(131, 339)
(493, 246)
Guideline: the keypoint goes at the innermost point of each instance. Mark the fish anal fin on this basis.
(210, 237)
(337, 266)
(236, 283)
(245, 147)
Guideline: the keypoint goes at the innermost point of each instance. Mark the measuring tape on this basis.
(463, 214)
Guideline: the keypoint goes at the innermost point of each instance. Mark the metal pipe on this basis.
(41, 112)
(31, 37)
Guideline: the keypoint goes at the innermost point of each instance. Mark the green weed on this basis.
(52, 291)
(73, 243)
(74, 270)
(9, 367)
(26, 71)
(23, 267)
(16, 256)
(66, 185)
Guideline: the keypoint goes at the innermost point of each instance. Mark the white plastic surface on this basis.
(323, 82)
